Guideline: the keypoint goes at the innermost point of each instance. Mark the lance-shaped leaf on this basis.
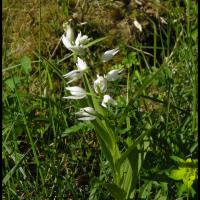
(115, 191)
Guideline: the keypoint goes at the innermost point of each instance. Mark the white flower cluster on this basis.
(100, 84)
(76, 46)
(76, 74)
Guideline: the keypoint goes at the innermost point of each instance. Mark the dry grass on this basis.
(21, 23)
(21, 32)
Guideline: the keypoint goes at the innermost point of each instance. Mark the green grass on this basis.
(46, 152)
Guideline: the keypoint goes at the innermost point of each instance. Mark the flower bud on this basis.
(69, 31)
(107, 99)
(114, 74)
(81, 40)
(73, 75)
(76, 92)
(81, 64)
(138, 25)
(100, 85)
(87, 113)
(108, 55)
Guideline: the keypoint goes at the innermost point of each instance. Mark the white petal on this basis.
(87, 118)
(109, 54)
(78, 39)
(100, 84)
(107, 99)
(72, 73)
(104, 105)
(86, 113)
(138, 25)
(138, 2)
(113, 51)
(84, 39)
(163, 21)
(83, 114)
(75, 88)
(73, 79)
(114, 74)
(66, 42)
(81, 64)
(75, 97)
(77, 91)
(69, 31)
(89, 110)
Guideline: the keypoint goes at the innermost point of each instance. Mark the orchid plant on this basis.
(125, 165)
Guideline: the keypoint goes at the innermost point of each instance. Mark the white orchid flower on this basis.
(100, 84)
(66, 41)
(114, 74)
(77, 74)
(107, 99)
(69, 32)
(69, 45)
(108, 55)
(138, 25)
(76, 92)
(87, 113)
(81, 40)
(76, 46)
(74, 75)
(81, 65)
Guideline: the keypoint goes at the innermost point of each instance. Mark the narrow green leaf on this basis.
(65, 58)
(129, 172)
(177, 159)
(12, 171)
(115, 191)
(121, 132)
(17, 66)
(159, 196)
(137, 74)
(105, 150)
(95, 41)
(145, 190)
(52, 66)
(73, 129)
(103, 134)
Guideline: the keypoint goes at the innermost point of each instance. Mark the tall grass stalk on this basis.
(29, 136)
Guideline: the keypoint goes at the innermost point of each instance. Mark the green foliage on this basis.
(26, 64)
(74, 129)
(188, 173)
(115, 190)
(12, 82)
